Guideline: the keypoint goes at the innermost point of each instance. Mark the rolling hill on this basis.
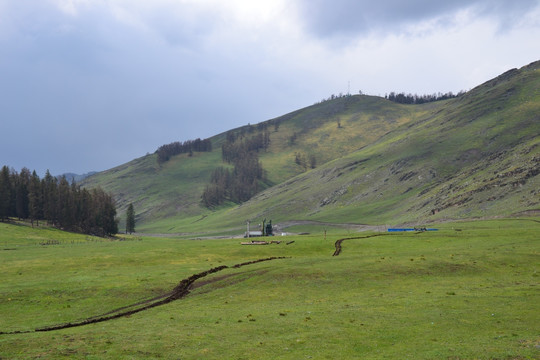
(378, 162)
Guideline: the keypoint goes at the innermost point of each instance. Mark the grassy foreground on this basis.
(468, 291)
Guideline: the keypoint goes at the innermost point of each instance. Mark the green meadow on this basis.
(467, 291)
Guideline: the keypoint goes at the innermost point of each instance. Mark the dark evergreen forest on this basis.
(66, 206)
(242, 182)
(164, 152)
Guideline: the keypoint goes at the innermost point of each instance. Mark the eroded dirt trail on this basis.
(181, 290)
(338, 242)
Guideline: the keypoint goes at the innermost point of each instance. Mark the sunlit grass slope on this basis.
(159, 191)
(475, 156)
(467, 291)
(167, 197)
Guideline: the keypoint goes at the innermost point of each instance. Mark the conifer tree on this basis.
(35, 199)
(21, 194)
(63, 203)
(49, 186)
(130, 219)
(5, 193)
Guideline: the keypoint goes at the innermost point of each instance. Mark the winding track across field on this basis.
(338, 242)
(180, 291)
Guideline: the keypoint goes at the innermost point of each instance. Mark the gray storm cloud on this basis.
(329, 18)
(88, 85)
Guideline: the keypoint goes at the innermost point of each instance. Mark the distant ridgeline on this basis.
(25, 196)
(164, 152)
(403, 98)
(240, 149)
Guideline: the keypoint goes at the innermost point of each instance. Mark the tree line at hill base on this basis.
(25, 196)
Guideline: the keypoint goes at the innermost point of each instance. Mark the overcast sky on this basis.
(91, 84)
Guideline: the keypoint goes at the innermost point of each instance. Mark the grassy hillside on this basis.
(377, 162)
(167, 197)
(474, 156)
(467, 291)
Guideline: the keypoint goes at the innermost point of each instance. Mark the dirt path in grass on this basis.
(180, 291)
(339, 241)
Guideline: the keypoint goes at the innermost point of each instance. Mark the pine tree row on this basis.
(164, 152)
(25, 196)
(403, 98)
